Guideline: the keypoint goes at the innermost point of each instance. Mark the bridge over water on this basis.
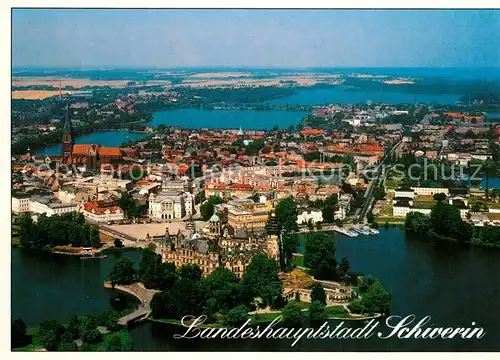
(140, 292)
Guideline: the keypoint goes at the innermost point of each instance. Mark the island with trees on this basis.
(445, 225)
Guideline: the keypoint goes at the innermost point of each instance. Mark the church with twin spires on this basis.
(92, 156)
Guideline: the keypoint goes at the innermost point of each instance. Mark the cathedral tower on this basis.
(67, 140)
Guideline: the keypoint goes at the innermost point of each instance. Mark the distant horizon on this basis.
(138, 67)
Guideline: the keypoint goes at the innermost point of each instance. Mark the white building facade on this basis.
(20, 205)
(313, 216)
(171, 205)
(104, 215)
(51, 208)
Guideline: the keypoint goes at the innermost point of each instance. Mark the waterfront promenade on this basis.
(140, 292)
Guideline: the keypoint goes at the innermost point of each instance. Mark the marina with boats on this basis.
(355, 231)
(348, 230)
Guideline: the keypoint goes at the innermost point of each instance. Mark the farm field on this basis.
(77, 83)
(35, 94)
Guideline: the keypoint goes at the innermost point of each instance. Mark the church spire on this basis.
(67, 140)
(67, 121)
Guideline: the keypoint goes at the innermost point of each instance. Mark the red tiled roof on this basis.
(182, 169)
(311, 132)
(81, 149)
(110, 151)
(96, 208)
(214, 185)
(245, 187)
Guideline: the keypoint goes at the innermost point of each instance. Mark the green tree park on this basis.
(328, 208)
(236, 316)
(292, 314)
(286, 218)
(374, 299)
(319, 255)
(123, 272)
(318, 293)
(221, 296)
(445, 224)
(130, 206)
(82, 333)
(286, 214)
(207, 208)
(57, 230)
(317, 314)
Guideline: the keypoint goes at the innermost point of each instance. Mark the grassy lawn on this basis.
(105, 238)
(424, 204)
(392, 183)
(385, 210)
(492, 205)
(493, 216)
(258, 318)
(67, 249)
(424, 198)
(391, 220)
(16, 241)
(298, 260)
(336, 311)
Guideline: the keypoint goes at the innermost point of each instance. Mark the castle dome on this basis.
(214, 218)
(196, 236)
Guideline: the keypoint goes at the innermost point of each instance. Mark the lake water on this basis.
(493, 115)
(454, 285)
(190, 118)
(341, 95)
(493, 183)
(216, 119)
(105, 138)
(49, 286)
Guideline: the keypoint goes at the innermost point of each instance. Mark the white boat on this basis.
(373, 231)
(345, 232)
(352, 233)
(361, 231)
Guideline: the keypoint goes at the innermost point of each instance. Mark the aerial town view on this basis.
(180, 174)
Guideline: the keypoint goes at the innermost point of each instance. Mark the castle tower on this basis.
(67, 140)
(273, 237)
(92, 157)
(215, 225)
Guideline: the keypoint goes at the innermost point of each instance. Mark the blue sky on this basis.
(275, 38)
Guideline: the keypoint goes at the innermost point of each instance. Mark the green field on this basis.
(391, 220)
(298, 260)
(385, 210)
(423, 205)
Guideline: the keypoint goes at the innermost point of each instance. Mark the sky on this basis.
(255, 38)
